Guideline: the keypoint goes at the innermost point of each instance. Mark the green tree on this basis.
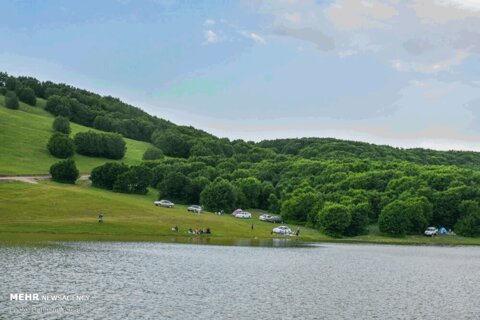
(273, 203)
(251, 188)
(359, 222)
(60, 146)
(172, 143)
(300, 207)
(59, 106)
(393, 219)
(11, 84)
(219, 195)
(11, 100)
(105, 175)
(152, 153)
(27, 95)
(469, 223)
(195, 188)
(135, 180)
(174, 186)
(64, 171)
(108, 145)
(334, 219)
(61, 124)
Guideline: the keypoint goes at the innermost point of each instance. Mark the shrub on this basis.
(300, 207)
(359, 222)
(393, 219)
(61, 124)
(334, 219)
(469, 224)
(105, 175)
(3, 90)
(60, 145)
(59, 106)
(410, 215)
(64, 171)
(135, 180)
(172, 142)
(153, 153)
(11, 100)
(11, 83)
(174, 186)
(219, 195)
(108, 145)
(27, 95)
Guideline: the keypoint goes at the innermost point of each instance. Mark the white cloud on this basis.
(354, 14)
(209, 23)
(443, 11)
(255, 37)
(211, 37)
(432, 68)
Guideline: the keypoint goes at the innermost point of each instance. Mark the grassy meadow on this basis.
(53, 211)
(24, 134)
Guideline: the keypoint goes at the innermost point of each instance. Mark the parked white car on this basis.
(243, 215)
(234, 213)
(195, 208)
(431, 231)
(164, 203)
(264, 217)
(270, 218)
(283, 230)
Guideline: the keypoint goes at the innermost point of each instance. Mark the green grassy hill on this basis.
(54, 208)
(24, 134)
(53, 211)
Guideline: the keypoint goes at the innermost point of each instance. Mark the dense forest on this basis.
(337, 186)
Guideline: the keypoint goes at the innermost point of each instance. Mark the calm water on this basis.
(175, 281)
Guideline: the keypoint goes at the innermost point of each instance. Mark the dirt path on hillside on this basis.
(34, 178)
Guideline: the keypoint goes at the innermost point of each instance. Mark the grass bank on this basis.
(52, 211)
(24, 134)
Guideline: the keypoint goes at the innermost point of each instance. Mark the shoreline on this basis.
(32, 238)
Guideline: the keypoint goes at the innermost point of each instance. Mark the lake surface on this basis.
(181, 281)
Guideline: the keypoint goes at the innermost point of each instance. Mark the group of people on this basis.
(199, 231)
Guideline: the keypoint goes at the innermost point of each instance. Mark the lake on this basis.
(115, 280)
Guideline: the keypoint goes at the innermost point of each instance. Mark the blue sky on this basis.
(404, 73)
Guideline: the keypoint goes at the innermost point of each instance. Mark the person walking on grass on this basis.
(100, 217)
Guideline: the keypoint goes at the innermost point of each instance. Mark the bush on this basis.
(135, 180)
(393, 219)
(27, 95)
(108, 145)
(64, 171)
(172, 142)
(219, 195)
(3, 90)
(334, 219)
(11, 100)
(410, 215)
(59, 106)
(105, 176)
(61, 124)
(469, 224)
(60, 145)
(174, 185)
(359, 222)
(11, 83)
(153, 153)
(300, 207)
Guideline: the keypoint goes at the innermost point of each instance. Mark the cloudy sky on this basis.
(405, 73)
